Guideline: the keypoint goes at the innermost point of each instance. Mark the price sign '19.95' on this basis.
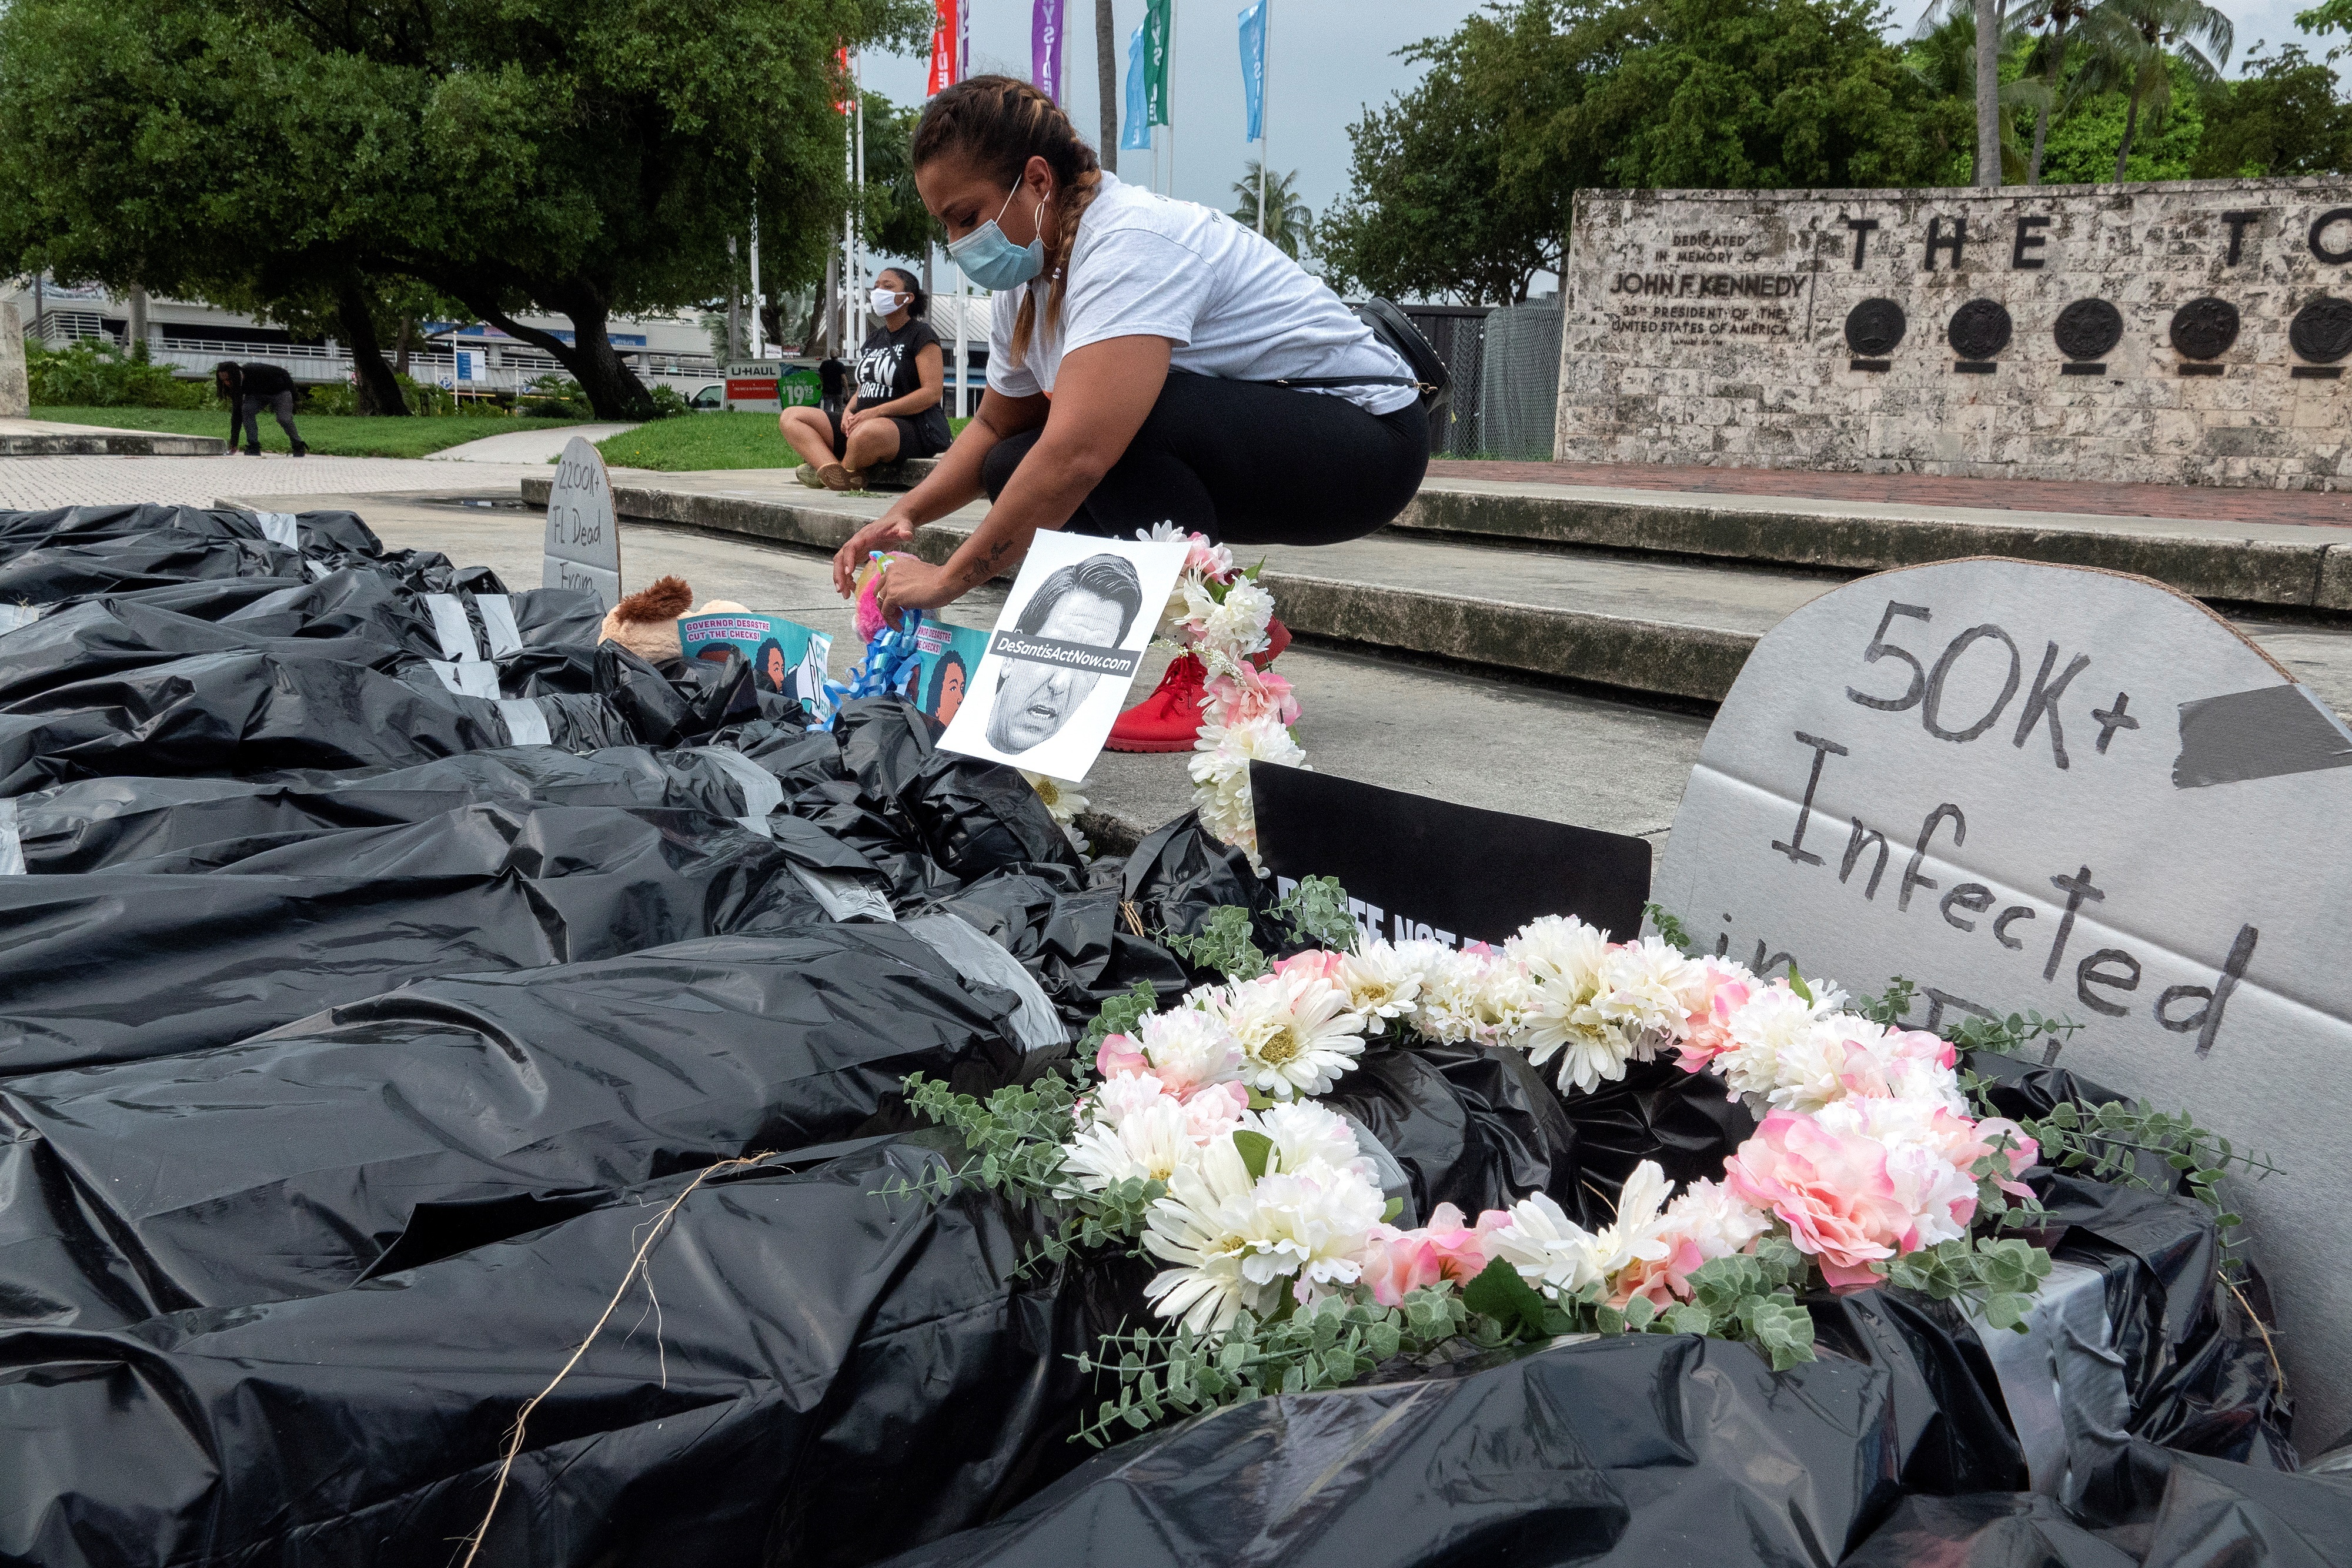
(584, 541)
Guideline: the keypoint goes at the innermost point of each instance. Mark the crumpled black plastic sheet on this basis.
(2154, 1507)
(1638, 1451)
(2198, 1373)
(243, 713)
(388, 1133)
(1473, 1127)
(57, 572)
(332, 532)
(97, 823)
(818, 1376)
(1686, 1121)
(278, 935)
(1069, 935)
(1178, 875)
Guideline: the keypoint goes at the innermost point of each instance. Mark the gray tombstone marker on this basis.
(2026, 786)
(583, 540)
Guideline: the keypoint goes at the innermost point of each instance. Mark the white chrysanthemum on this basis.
(1154, 1142)
(1648, 988)
(1311, 1226)
(1719, 1224)
(1638, 1234)
(1562, 958)
(1304, 1134)
(1062, 799)
(1477, 998)
(1295, 1031)
(1548, 1250)
(1773, 1022)
(1220, 769)
(1237, 626)
(1189, 1048)
(1382, 983)
(1203, 1229)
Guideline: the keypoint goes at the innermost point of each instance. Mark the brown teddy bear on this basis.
(645, 623)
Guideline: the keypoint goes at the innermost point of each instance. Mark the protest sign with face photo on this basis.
(1065, 652)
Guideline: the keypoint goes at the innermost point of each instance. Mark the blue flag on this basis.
(1254, 68)
(1136, 135)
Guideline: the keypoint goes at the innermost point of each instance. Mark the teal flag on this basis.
(1136, 136)
(1254, 70)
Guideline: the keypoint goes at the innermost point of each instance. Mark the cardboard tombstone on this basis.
(583, 539)
(2043, 787)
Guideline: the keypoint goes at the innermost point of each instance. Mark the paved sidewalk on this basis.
(2203, 503)
(34, 483)
(525, 446)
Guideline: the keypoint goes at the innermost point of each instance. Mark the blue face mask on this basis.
(994, 262)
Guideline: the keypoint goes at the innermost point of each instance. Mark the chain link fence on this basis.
(1518, 380)
(1458, 333)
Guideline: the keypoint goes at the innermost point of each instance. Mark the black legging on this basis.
(1248, 464)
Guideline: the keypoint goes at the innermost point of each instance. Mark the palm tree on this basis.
(1943, 55)
(2057, 16)
(1288, 223)
(2129, 42)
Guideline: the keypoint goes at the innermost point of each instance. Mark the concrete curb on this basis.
(112, 444)
(1652, 656)
(2218, 565)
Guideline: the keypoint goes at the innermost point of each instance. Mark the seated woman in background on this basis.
(896, 412)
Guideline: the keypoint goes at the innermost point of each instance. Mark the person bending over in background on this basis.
(248, 388)
(1132, 358)
(894, 412)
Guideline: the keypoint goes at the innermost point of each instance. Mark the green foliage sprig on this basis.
(1330, 1344)
(1316, 913)
(1221, 944)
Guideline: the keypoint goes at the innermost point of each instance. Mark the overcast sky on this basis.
(1326, 59)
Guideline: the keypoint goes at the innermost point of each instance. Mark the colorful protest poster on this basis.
(942, 669)
(786, 657)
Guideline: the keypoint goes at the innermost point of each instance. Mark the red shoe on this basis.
(1169, 718)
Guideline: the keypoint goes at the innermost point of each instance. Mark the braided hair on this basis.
(999, 124)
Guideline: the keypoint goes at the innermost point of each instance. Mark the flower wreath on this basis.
(1196, 1132)
(1219, 615)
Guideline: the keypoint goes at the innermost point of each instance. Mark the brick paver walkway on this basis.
(35, 482)
(2207, 503)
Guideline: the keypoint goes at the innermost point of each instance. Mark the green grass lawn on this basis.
(699, 441)
(334, 435)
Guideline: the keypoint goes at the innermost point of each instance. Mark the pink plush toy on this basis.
(869, 618)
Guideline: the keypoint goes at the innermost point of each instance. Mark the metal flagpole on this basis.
(856, 278)
(759, 331)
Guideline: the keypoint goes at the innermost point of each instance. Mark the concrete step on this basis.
(2284, 566)
(1663, 625)
(88, 440)
(2292, 566)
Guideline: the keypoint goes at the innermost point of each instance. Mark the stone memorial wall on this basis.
(2195, 332)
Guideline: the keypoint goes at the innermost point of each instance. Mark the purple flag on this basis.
(1045, 47)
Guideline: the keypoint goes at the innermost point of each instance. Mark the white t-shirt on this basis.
(1232, 304)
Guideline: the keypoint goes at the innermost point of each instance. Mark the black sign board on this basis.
(1416, 867)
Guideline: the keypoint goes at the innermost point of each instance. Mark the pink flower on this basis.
(1262, 696)
(1710, 1023)
(1664, 1280)
(1966, 1142)
(1215, 562)
(1315, 964)
(1830, 1190)
(1214, 1109)
(1119, 1054)
(1398, 1261)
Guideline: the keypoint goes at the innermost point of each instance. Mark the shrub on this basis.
(330, 398)
(91, 372)
(668, 402)
(554, 396)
